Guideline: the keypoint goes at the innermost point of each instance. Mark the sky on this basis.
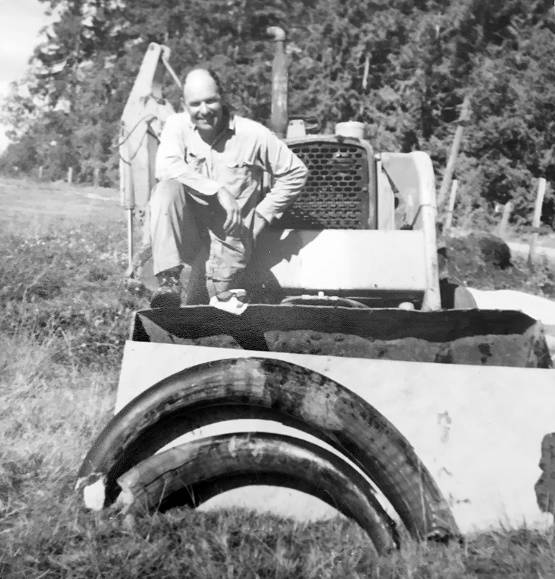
(20, 23)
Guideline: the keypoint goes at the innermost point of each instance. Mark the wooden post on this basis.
(451, 206)
(502, 227)
(70, 175)
(130, 241)
(41, 172)
(96, 176)
(450, 168)
(536, 220)
(366, 72)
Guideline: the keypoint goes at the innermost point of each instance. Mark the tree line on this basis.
(403, 67)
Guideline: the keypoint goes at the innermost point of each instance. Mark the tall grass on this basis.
(64, 317)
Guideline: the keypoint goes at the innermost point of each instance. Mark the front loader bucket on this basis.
(477, 337)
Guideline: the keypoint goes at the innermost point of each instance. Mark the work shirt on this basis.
(236, 160)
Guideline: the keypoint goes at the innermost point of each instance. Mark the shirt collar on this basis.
(230, 120)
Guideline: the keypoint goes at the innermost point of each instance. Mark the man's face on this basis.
(203, 102)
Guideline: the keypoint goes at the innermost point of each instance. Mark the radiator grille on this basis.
(336, 194)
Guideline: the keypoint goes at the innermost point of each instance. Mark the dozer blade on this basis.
(477, 337)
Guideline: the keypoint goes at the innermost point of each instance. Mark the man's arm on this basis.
(170, 159)
(171, 164)
(289, 175)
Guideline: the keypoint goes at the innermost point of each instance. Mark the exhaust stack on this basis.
(279, 118)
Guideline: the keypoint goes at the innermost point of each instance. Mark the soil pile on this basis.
(484, 261)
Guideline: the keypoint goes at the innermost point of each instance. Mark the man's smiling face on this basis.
(203, 102)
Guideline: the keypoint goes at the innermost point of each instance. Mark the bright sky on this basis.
(20, 23)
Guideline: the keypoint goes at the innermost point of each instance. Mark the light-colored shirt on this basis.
(236, 160)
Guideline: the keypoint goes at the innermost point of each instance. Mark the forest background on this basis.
(403, 67)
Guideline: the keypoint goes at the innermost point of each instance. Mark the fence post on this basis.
(41, 172)
(70, 175)
(502, 227)
(96, 176)
(536, 220)
(451, 206)
(451, 162)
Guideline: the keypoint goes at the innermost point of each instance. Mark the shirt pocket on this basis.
(240, 177)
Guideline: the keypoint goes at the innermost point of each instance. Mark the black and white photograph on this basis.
(277, 289)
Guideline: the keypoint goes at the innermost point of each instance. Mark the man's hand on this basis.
(258, 225)
(233, 220)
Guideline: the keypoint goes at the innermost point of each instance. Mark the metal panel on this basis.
(477, 429)
(335, 260)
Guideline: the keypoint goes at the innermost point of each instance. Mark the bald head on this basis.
(202, 76)
(204, 102)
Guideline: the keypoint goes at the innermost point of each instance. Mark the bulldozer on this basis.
(353, 376)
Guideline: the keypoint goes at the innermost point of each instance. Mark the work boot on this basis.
(134, 275)
(168, 295)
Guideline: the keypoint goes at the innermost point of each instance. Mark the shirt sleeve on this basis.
(289, 175)
(170, 159)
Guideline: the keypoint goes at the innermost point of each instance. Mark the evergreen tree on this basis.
(403, 67)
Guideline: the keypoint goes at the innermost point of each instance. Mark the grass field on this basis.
(64, 317)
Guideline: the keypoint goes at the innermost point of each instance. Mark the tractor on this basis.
(354, 376)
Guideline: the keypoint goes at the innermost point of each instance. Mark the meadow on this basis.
(64, 319)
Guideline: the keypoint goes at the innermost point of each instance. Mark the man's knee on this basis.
(167, 193)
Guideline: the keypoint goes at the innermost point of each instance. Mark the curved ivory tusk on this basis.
(267, 388)
(192, 473)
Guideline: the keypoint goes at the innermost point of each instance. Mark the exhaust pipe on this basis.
(279, 119)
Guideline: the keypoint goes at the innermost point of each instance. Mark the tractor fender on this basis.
(270, 389)
(192, 473)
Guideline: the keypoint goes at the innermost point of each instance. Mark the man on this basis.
(207, 209)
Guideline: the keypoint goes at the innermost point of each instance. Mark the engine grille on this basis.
(336, 194)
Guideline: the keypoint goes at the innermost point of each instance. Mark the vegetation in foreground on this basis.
(64, 317)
